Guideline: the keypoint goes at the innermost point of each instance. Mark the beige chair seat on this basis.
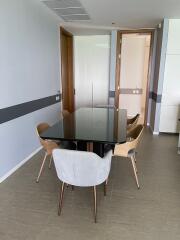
(50, 146)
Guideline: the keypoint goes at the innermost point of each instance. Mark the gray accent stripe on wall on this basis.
(156, 97)
(152, 95)
(111, 94)
(10, 113)
(134, 91)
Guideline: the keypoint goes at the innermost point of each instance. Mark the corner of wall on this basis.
(112, 66)
(158, 78)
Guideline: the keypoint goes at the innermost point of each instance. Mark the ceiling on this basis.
(126, 14)
(131, 13)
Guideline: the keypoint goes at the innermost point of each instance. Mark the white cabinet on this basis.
(171, 86)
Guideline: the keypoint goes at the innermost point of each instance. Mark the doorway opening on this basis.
(91, 65)
(132, 72)
(85, 67)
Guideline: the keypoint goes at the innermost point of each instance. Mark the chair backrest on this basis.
(133, 120)
(125, 148)
(80, 168)
(41, 128)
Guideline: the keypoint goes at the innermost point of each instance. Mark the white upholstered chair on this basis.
(83, 169)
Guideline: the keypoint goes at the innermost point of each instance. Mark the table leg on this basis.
(95, 147)
(90, 146)
(98, 148)
(81, 146)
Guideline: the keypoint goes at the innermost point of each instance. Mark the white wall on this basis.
(29, 70)
(170, 106)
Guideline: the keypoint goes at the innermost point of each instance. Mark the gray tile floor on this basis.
(29, 210)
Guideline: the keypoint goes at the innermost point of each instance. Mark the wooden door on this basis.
(67, 70)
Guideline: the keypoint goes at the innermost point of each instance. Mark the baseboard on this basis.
(19, 165)
(153, 132)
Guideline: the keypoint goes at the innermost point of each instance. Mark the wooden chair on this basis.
(128, 149)
(65, 113)
(48, 146)
(132, 122)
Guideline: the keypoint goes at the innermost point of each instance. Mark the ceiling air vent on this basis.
(68, 10)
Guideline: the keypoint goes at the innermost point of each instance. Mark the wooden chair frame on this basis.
(123, 150)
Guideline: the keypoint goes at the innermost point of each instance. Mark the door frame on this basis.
(118, 65)
(70, 82)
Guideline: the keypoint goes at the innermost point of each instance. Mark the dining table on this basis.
(91, 128)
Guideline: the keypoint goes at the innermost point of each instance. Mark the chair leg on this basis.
(105, 187)
(135, 156)
(135, 173)
(42, 165)
(50, 161)
(61, 199)
(107, 181)
(135, 163)
(95, 204)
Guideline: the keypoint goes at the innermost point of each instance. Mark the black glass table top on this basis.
(104, 125)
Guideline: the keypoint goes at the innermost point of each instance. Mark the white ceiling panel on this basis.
(125, 14)
(62, 3)
(70, 11)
